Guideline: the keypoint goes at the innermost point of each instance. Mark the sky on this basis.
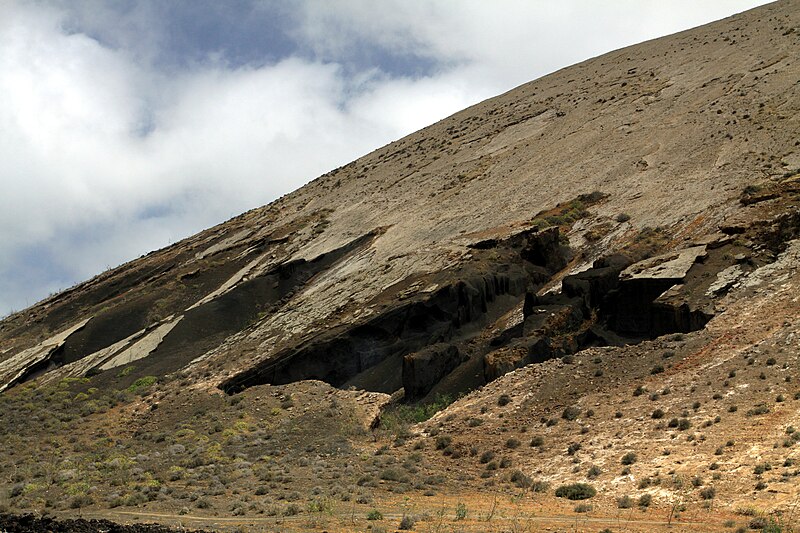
(128, 125)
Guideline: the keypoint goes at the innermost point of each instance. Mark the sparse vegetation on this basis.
(708, 493)
(761, 468)
(760, 409)
(399, 416)
(573, 448)
(625, 502)
(461, 511)
(576, 491)
(628, 459)
(645, 500)
(682, 424)
(443, 441)
(519, 479)
(487, 456)
(407, 523)
(141, 384)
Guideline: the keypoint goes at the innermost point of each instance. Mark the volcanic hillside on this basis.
(592, 279)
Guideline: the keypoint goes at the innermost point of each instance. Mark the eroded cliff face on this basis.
(670, 132)
(600, 209)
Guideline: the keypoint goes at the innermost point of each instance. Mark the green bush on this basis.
(393, 419)
(125, 371)
(291, 510)
(142, 383)
(576, 491)
(374, 515)
(79, 501)
(461, 511)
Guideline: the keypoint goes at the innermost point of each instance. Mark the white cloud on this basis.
(507, 41)
(104, 159)
(104, 156)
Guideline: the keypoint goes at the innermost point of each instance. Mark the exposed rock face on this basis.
(340, 355)
(503, 361)
(551, 316)
(613, 302)
(138, 346)
(726, 280)
(520, 353)
(451, 306)
(594, 284)
(35, 359)
(425, 368)
(267, 282)
(631, 310)
(673, 312)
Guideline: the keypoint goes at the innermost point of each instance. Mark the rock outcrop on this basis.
(425, 368)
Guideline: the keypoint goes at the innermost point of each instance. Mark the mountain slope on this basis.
(649, 192)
